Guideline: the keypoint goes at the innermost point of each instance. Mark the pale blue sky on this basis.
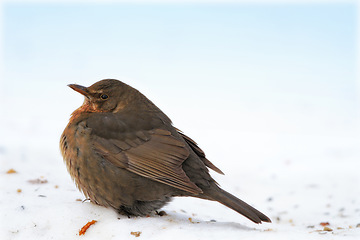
(285, 60)
(258, 40)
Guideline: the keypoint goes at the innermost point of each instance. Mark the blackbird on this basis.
(123, 152)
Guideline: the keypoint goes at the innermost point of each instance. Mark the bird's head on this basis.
(107, 95)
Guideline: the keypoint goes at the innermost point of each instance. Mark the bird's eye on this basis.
(104, 96)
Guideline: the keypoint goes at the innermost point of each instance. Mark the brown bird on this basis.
(123, 152)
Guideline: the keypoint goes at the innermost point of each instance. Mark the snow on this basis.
(281, 120)
(298, 179)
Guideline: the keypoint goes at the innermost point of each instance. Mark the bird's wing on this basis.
(152, 153)
(199, 152)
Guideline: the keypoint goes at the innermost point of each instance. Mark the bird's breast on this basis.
(74, 145)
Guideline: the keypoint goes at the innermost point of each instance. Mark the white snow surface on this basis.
(298, 179)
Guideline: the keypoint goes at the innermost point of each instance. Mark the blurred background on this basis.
(269, 90)
(272, 81)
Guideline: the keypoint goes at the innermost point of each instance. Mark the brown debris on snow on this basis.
(86, 226)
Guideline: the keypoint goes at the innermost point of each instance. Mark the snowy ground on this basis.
(298, 180)
(270, 94)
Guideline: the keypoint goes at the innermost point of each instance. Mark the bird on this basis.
(123, 152)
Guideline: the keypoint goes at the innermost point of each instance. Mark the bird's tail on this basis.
(237, 205)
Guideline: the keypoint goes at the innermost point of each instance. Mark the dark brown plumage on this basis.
(123, 152)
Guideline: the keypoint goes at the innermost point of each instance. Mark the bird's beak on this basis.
(80, 89)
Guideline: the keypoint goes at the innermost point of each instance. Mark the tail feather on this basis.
(237, 205)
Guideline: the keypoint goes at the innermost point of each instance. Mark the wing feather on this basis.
(154, 154)
(200, 152)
